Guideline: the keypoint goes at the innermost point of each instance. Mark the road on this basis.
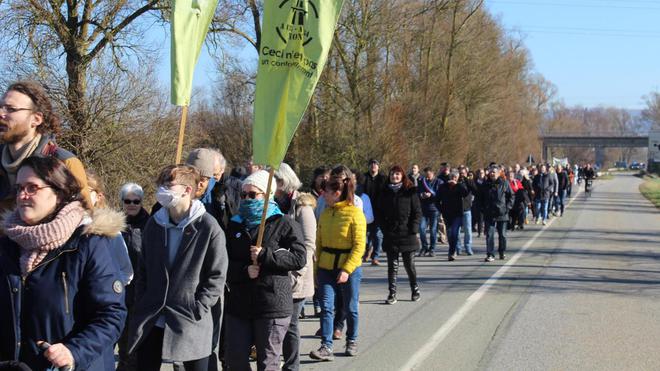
(581, 293)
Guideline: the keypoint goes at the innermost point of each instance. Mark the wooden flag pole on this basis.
(182, 132)
(262, 226)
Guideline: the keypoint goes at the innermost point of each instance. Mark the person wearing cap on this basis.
(374, 182)
(259, 301)
(181, 275)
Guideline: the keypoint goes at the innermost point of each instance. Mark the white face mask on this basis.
(167, 198)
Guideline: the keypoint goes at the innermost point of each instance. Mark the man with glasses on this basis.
(28, 125)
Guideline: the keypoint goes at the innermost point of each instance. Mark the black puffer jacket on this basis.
(543, 186)
(497, 199)
(269, 295)
(133, 238)
(399, 214)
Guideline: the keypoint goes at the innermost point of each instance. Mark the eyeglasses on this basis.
(134, 202)
(30, 189)
(4, 109)
(251, 195)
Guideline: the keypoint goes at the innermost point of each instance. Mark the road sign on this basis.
(654, 146)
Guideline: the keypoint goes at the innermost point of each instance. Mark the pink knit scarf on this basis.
(37, 240)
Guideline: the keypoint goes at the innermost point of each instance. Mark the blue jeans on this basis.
(559, 201)
(466, 226)
(427, 221)
(542, 209)
(491, 226)
(351, 293)
(453, 227)
(374, 240)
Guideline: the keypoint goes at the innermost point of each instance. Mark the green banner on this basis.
(296, 38)
(189, 24)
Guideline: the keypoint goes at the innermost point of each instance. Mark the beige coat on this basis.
(302, 211)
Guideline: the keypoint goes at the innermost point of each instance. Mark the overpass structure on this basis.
(599, 141)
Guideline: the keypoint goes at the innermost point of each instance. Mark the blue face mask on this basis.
(250, 211)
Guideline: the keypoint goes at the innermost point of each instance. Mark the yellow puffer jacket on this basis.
(341, 237)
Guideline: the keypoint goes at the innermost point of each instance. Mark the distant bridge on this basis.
(599, 141)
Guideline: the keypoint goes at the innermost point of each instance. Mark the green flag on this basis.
(296, 37)
(190, 22)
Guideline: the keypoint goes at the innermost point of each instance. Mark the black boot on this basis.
(392, 270)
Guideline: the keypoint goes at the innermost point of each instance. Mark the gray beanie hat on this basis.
(204, 160)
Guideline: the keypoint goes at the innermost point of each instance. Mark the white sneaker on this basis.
(544, 223)
(537, 221)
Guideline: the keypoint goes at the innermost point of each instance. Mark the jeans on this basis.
(351, 292)
(291, 345)
(267, 334)
(454, 226)
(375, 240)
(559, 201)
(427, 221)
(466, 226)
(541, 209)
(149, 354)
(477, 219)
(491, 225)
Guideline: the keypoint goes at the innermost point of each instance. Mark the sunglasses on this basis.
(251, 195)
(134, 202)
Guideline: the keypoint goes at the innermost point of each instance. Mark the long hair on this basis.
(343, 185)
(407, 184)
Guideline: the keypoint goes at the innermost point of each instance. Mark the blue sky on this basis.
(597, 52)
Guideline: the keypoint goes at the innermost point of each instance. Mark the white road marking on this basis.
(439, 336)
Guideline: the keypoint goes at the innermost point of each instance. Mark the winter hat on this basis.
(259, 179)
(204, 160)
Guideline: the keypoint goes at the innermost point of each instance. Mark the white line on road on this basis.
(423, 353)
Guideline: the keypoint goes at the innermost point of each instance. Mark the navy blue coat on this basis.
(75, 296)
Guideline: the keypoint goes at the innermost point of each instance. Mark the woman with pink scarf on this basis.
(61, 290)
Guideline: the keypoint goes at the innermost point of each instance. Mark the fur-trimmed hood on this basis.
(104, 222)
(306, 199)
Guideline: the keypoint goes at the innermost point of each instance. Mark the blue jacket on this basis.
(429, 205)
(75, 296)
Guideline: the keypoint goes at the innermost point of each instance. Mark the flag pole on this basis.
(262, 226)
(182, 131)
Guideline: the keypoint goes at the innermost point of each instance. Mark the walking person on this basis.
(300, 208)
(181, 275)
(451, 196)
(399, 214)
(497, 201)
(427, 191)
(58, 279)
(542, 191)
(260, 299)
(466, 219)
(477, 213)
(563, 183)
(340, 244)
(374, 182)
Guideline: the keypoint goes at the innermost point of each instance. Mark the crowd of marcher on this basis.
(191, 281)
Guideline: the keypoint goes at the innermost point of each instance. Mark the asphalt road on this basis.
(581, 293)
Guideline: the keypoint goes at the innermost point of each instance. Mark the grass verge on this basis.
(651, 189)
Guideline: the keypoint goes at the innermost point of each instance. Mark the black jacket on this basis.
(563, 180)
(468, 199)
(226, 196)
(399, 214)
(133, 238)
(497, 199)
(373, 185)
(269, 295)
(450, 198)
(543, 187)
